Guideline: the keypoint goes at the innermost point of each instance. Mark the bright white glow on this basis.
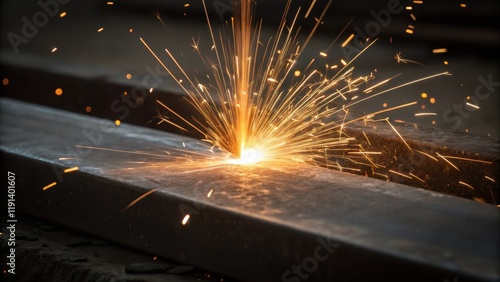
(185, 219)
(248, 156)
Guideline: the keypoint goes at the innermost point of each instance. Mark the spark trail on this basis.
(249, 109)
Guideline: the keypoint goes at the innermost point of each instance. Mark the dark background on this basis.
(90, 66)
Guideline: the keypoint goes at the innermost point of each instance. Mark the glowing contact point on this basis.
(248, 156)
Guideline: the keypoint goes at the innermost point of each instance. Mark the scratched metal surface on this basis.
(258, 222)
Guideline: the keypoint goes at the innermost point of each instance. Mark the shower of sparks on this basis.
(273, 123)
(257, 118)
(259, 106)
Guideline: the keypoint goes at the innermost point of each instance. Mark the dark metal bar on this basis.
(260, 224)
(395, 156)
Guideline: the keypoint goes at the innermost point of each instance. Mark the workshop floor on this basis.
(48, 252)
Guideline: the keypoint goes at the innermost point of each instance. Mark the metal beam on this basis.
(261, 224)
(379, 137)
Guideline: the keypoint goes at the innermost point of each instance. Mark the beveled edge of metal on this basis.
(259, 222)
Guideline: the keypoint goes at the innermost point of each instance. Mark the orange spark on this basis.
(489, 178)
(446, 160)
(310, 8)
(139, 198)
(466, 185)
(68, 170)
(401, 137)
(49, 186)
(185, 219)
(472, 106)
(468, 159)
(439, 50)
(425, 114)
(400, 174)
(418, 178)
(348, 40)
